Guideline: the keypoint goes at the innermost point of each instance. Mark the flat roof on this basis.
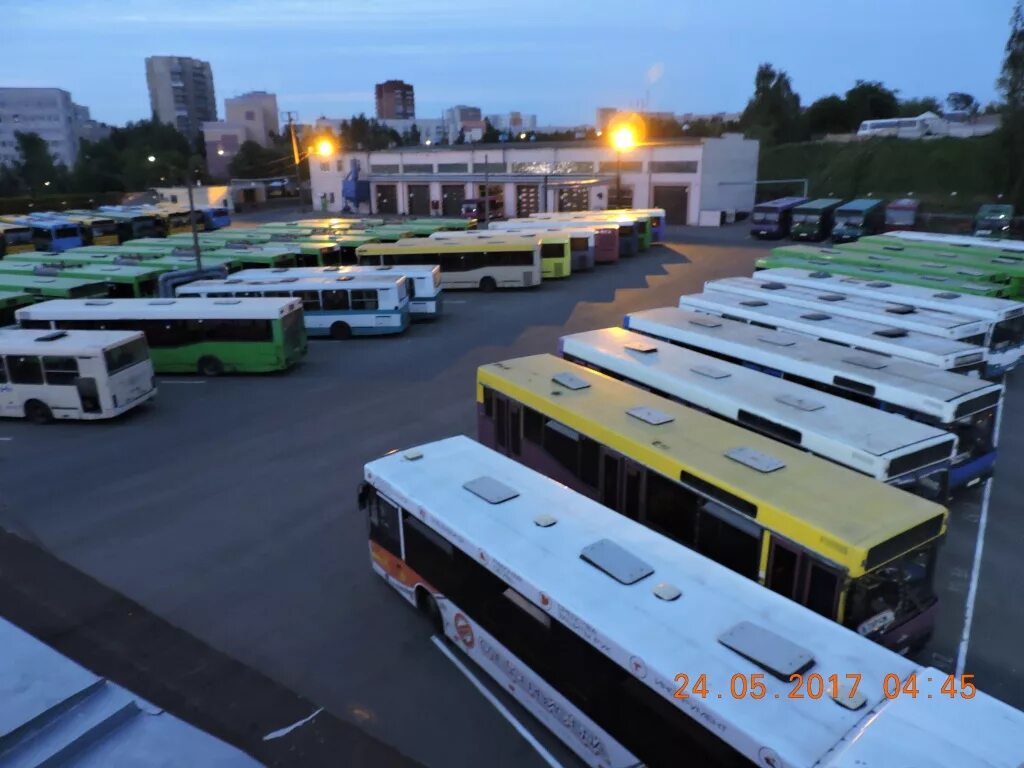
(820, 204)
(844, 514)
(39, 341)
(782, 202)
(360, 280)
(241, 308)
(861, 204)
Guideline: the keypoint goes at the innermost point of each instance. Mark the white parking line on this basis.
(502, 709)
(5, 439)
(180, 381)
(972, 593)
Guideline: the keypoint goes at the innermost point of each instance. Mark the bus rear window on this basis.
(552, 250)
(578, 243)
(67, 232)
(126, 355)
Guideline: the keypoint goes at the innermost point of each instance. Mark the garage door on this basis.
(452, 197)
(419, 200)
(527, 199)
(674, 200)
(387, 198)
(574, 198)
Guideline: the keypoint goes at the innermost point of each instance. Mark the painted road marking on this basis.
(6, 439)
(502, 709)
(289, 728)
(972, 594)
(180, 381)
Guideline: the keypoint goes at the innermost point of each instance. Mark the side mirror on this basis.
(364, 495)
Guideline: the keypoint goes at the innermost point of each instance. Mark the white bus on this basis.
(487, 267)
(86, 375)
(884, 446)
(582, 239)
(927, 124)
(631, 228)
(632, 649)
(945, 325)
(556, 257)
(965, 241)
(422, 281)
(966, 406)
(859, 334)
(606, 234)
(338, 307)
(1004, 318)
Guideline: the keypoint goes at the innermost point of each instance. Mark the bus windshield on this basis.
(849, 220)
(1008, 333)
(805, 218)
(126, 355)
(900, 217)
(900, 589)
(765, 217)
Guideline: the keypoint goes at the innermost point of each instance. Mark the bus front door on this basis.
(508, 434)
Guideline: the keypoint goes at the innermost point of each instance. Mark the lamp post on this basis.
(623, 140)
(192, 166)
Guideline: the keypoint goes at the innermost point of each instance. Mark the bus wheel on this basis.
(488, 284)
(38, 412)
(340, 331)
(428, 607)
(210, 366)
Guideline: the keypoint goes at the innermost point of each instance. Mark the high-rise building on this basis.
(462, 118)
(395, 100)
(514, 122)
(48, 112)
(181, 92)
(257, 111)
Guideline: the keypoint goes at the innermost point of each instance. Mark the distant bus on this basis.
(50, 234)
(723, 491)
(555, 247)
(85, 375)
(586, 618)
(937, 241)
(15, 238)
(1004, 319)
(918, 127)
(882, 445)
(813, 220)
(633, 229)
(993, 221)
(193, 335)
(606, 234)
(122, 281)
(966, 406)
(582, 240)
(339, 307)
(874, 337)
(874, 309)
(856, 218)
(483, 208)
(423, 282)
(771, 220)
(131, 225)
(47, 286)
(215, 217)
(511, 263)
(10, 302)
(902, 213)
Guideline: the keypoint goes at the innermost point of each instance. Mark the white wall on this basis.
(729, 159)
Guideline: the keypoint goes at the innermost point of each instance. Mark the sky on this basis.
(559, 59)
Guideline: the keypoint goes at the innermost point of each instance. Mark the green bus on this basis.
(10, 302)
(50, 287)
(833, 258)
(1010, 266)
(967, 244)
(857, 218)
(123, 281)
(443, 224)
(191, 335)
(993, 220)
(165, 262)
(311, 252)
(813, 220)
(882, 275)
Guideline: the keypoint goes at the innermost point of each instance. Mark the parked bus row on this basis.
(803, 219)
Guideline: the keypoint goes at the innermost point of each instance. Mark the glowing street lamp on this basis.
(624, 136)
(325, 148)
(152, 158)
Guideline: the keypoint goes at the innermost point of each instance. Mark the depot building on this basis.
(696, 181)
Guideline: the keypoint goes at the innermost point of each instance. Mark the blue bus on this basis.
(771, 220)
(52, 233)
(215, 217)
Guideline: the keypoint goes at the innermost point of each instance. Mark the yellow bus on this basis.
(846, 546)
(555, 247)
(505, 263)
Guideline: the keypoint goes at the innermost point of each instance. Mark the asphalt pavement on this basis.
(226, 509)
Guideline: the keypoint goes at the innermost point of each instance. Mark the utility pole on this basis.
(189, 173)
(487, 193)
(292, 117)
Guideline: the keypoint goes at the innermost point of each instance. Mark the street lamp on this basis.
(220, 152)
(623, 139)
(192, 167)
(152, 158)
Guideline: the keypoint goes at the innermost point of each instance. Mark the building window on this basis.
(453, 167)
(627, 166)
(488, 167)
(250, 115)
(418, 168)
(384, 168)
(340, 164)
(673, 166)
(331, 197)
(326, 166)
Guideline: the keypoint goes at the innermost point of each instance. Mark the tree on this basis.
(491, 134)
(254, 162)
(962, 102)
(828, 114)
(663, 128)
(1011, 84)
(37, 170)
(461, 138)
(870, 100)
(915, 107)
(414, 135)
(773, 112)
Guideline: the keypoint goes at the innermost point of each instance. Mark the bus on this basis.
(941, 242)
(190, 335)
(167, 261)
(10, 302)
(49, 233)
(123, 281)
(97, 230)
(902, 213)
(894, 262)
(555, 250)
(856, 218)
(993, 221)
(885, 446)
(15, 238)
(85, 375)
(443, 223)
(1004, 319)
(423, 282)
(483, 209)
(943, 324)
(771, 220)
(656, 220)
(724, 491)
(813, 220)
(132, 224)
(606, 234)
(927, 124)
(965, 406)
(344, 248)
(633, 650)
(337, 307)
(635, 227)
(582, 240)
(47, 286)
(511, 263)
(215, 217)
(887, 340)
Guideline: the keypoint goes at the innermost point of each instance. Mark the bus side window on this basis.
(365, 299)
(384, 528)
(310, 300)
(25, 369)
(822, 587)
(335, 300)
(3, 372)
(488, 402)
